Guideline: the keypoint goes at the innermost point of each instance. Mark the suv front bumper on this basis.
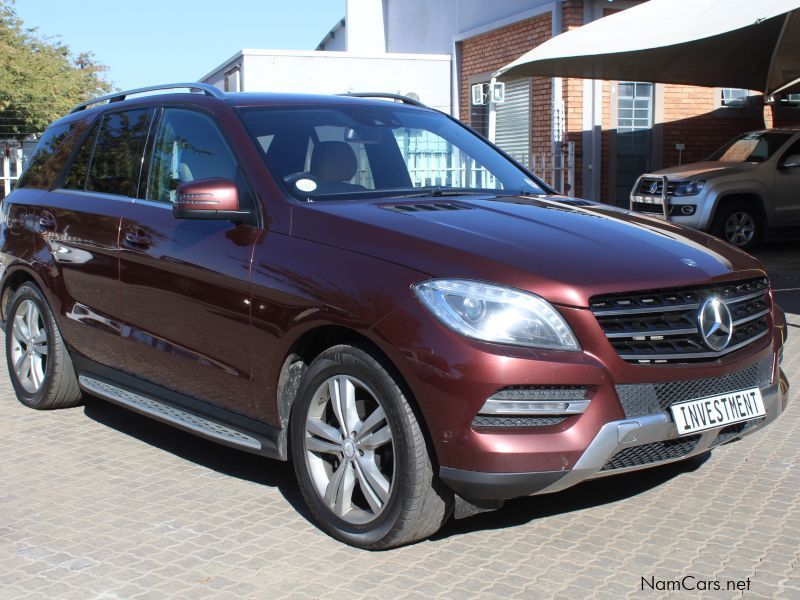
(614, 437)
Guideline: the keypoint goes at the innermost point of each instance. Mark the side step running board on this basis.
(169, 414)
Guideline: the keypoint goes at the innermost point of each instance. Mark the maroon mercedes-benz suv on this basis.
(371, 290)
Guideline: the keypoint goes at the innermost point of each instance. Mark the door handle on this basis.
(138, 239)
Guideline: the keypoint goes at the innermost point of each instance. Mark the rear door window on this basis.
(117, 157)
(51, 155)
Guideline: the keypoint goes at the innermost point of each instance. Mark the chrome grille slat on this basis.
(751, 317)
(652, 332)
(642, 311)
(692, 355)
(661, 325)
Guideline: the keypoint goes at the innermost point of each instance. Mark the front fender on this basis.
(300, 286)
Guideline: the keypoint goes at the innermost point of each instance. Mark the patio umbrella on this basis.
(749, 44)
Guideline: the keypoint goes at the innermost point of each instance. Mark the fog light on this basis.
(558, 400)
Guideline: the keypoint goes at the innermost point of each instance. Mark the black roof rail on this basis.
(205, 88)
(388, 96)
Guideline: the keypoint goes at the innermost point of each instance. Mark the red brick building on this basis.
(669, 123)
(618, 129)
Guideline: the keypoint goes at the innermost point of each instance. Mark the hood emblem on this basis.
(689, 262)
(654, 187)
(715, 323)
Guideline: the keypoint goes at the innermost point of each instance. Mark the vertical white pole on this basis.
(6, 176)
(492, 112)
(571, 167)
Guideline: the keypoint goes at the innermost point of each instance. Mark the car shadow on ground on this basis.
(782, 261)
(586, 495)
(217, 457)
(280, 475)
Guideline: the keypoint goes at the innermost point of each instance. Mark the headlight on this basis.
(689, 188)
(496, 314)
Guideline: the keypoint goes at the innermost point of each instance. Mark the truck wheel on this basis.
(360, 456)
(738, 223)
(39, 365)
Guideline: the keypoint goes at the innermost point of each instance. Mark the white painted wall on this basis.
(428, 26)
(365, 27)
(336, 72)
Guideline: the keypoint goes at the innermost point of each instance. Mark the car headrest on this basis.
(334, 161)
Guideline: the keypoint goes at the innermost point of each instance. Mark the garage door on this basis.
(513, 129)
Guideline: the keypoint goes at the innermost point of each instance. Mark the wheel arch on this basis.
(311, 344)
(750, 197)
(14, 277)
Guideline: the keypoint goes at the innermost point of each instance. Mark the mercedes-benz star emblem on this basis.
(715, 323)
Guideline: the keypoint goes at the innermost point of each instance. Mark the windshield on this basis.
(339, 152)
(751, 147)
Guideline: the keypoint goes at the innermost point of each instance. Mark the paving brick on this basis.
(88, 510)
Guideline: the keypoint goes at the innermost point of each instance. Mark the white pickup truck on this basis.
(745, 191)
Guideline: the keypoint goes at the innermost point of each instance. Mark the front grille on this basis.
(660, 326)
(640, 399)
(648, 207)
(646, 186)
(656, 208)
(489, 421)
(651, 453)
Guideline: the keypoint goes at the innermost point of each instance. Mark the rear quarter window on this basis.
(51, 154)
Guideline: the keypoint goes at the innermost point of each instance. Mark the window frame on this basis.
(750, 108)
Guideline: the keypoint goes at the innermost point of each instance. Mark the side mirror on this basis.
(791, 162)
(213, 199)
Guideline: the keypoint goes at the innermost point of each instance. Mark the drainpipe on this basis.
(492, 111)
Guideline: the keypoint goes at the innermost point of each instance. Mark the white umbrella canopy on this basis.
(749, 44)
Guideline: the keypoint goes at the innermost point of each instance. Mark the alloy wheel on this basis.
(740, 228)
(349, 449)
(29, 346)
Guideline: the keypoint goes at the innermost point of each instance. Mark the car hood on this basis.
(707, 169)
(563, 249)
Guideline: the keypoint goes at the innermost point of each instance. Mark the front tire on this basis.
(360, 456)
(739, 224)
(39, 364)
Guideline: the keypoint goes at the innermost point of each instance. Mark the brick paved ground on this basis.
(97, 502)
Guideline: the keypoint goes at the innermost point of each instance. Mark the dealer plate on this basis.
(714, 411)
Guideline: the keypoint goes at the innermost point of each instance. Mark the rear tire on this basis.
(389, 493)
(39, 364)
(739, 223)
